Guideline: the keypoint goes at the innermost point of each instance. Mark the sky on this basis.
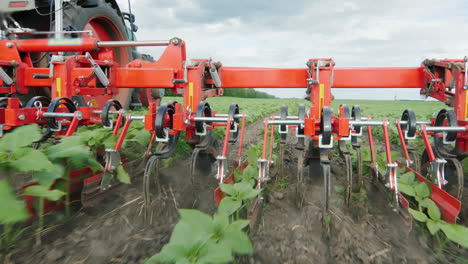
(285, 34)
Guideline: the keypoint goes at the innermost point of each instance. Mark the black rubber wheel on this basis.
(105, 111)
(203, 110)
(409, 116)
(233, 110)
(446, 117)
(55, 105)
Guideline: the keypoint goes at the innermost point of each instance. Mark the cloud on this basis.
(278, 33)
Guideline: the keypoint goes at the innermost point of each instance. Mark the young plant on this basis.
(69, 154)
(200, 238)
(428, 212)
(239, 196)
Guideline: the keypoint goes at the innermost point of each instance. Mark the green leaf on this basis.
(44, 192)
(249, 192)
(20, 137)
(249, 173)
(238, 241)
(433, 226)
(68, 147)
(122, 175)
(170, 253)
(433, 210)
(184, 233)
(12, 210)
(229, 205)
(395, 155)
(407, 178)
(252, 155)
(34, 160)
(228, 189)
(239, 224)
(406, 189)
(47, 178)
(220, 221)
(215, 253)
(419, 216)
(422, 190)
(456, 233)
(197, 219)
(142, 136)
(94, 165)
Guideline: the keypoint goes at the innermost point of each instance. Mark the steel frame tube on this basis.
(53, 114)
(211, 119)
(137, 43)
(368, 123)
(286, 122)
(445, 129)
(58, 19)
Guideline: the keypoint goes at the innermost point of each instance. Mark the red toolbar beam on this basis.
(401, 77)
(245, 77)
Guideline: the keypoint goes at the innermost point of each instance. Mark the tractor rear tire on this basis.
(106, 24)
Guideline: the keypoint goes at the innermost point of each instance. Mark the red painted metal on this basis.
(449, 206)
(427, 143)
(387, 141)
(118, 123)
(73, 125)
(123, 134)
(402, 141)
(55, 45)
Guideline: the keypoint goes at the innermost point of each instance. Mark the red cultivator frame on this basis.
(84, 81)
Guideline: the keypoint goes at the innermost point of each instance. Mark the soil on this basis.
(114, 231)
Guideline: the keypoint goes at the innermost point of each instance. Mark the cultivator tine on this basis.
(263, 162)
(151, 165)
(349, 169)
(326, 173)
(283, 131)
(454, 172)
(391, 167)
(357, 179)
(164, 150)
(241, 141)
(346, 155)
(373, 165)
(221, 160)
(203, 156)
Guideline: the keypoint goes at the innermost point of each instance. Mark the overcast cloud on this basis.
(278, 33)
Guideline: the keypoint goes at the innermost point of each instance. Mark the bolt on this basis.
(21, 117)
(9, 45)
(175, 41)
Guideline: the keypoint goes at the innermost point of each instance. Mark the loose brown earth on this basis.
(113, 231)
